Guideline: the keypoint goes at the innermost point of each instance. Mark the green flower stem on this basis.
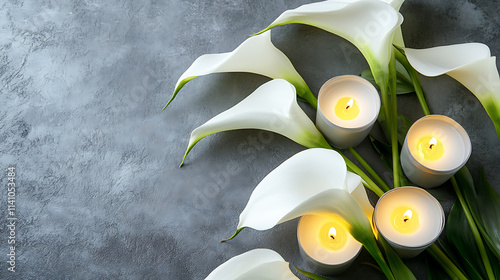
(445, 263)
(414, 79)
(384, 93)
(370, 170)
(379, 258)
(434, 250)
(393, 122)
(368, 182)
(475, 231)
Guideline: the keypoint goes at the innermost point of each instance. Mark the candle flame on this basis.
(407, 215)
(349, 103)
(432, 143)
(332, 232)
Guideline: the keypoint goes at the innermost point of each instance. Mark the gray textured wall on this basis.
(99, 194)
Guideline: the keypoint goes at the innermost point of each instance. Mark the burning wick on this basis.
(349, 103)
(407, 215)
(432, 143)
(332, 232)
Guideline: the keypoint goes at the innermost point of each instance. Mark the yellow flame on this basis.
(432, 142)
(349, 103)
(407, 215)
(332, 232)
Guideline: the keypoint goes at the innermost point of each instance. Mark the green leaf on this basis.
(460, 236)
(383, 150)
(385, 153)
(495, 265)
(404, 125)
(484, 203)
(447, 249)
(399, 269)
(488, 202)
(435, 272)
(403, 74)
(402, 85)
(310, 274)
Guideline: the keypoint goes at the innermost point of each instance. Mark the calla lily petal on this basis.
(314, 181)
(273, 107)
(441, 60)
(398, 34)
(368, 24)
(255, 55)
(471, 65)
(254, 264)
(357, 190)
(396, 4)
(293, 189)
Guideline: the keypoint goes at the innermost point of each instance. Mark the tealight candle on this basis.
(410, 219)
(435, 148)
(325, 244)
(348, 106)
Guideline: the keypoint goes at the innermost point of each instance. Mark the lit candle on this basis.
(435, 148)
(325, 244)
(347, 109)
(348, 106)
(429, 148)
(410, 219)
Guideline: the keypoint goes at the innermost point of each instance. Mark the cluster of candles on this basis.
(408, 218)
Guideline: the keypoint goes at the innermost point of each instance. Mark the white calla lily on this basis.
(307, 183)
(315, 181)
(368, 24)
(255, 55)
(470, 64)
(273, 107)
(254, 264)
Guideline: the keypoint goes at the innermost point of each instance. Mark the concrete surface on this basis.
(98, 191)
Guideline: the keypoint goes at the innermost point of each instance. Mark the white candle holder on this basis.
(456, 145)
(318, 257)
(347, 133)
(409, 242)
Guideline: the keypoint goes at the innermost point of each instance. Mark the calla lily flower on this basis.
(368, 24)
(273, 107)
(311, 182)
(254, 264)
(255, 55)
(470, 64)
(315, 181)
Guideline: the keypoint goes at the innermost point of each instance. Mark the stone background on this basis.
(99, 194)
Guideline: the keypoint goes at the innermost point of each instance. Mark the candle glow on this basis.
(429, 162)
(405, 220)
(348, 106)
(410, 219)
(333, 236)
(430, 148)
(325, 244)
(347, 109)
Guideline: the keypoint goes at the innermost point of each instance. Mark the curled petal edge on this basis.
(255, 55)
